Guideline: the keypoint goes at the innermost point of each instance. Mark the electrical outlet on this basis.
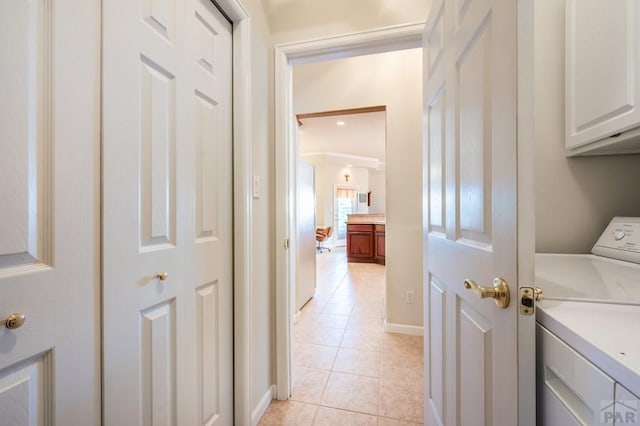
(409, 296)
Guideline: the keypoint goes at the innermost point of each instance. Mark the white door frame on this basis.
(286, 55)
(242, 224)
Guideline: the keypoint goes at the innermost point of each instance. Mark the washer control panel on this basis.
(621, 240)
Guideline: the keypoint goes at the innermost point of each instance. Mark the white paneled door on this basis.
(49, 212)
(471, 344)
(167, 224)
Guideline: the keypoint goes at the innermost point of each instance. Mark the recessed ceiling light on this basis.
(340, 123)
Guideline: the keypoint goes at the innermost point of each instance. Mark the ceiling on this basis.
(362, 135)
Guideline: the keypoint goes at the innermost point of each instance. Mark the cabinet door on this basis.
(379, 244)
(360, 242)
(626, 407)
(602, 70)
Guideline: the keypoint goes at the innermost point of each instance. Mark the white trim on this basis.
(412, 330)
(285, 259)
(375, 41)
(263, 405)
(242, 214)
(380, 40)
(526, 205)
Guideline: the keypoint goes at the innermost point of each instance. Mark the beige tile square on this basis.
(332, 321)
(364, 324)
(367, 309)
(332, 417)
(284, 413)
(383, 421)
(412, 378)
(413, 345)
(402, 355)
(365, 341)
(398, 401)
(338, 308)
(350, 392)
(308, 384)
(319, 335)
(354, 361)
(314, 356)
(324, 320)
(344, 299)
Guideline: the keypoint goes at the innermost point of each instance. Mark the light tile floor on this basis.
(347, 371)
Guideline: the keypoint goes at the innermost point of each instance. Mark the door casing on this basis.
(381, 40)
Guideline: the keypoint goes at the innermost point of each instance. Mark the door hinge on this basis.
(286, 244)
(528, 298)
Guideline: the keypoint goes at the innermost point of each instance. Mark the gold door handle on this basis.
(14, 321)
(161, 276)
(499, 291)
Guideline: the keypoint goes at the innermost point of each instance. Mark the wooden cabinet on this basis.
(366, 243)
(379, 244)
(601, 77)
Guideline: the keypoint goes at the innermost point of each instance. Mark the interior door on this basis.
(209, 221)
(470, 105)
(306, 240)
(167, 222)
(49, 212)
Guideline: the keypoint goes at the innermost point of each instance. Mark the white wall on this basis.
(296, 20)
(329, 175)
(263, 284)
(378, 191)
(575, 197)
(395, 80)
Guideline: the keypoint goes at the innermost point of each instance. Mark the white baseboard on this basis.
(259, 411)
(414, 330)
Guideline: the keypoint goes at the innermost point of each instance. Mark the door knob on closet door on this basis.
(14, 321)
(499, 291)
(162, 276)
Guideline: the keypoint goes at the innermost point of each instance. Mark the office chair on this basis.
(322, 235)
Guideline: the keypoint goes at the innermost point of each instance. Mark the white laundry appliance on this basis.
(588, 333)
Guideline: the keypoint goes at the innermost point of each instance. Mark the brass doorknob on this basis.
(499, 291)
(14, 321)
(162, 276)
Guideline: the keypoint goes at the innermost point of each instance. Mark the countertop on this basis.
(366, 219)
(606, 334)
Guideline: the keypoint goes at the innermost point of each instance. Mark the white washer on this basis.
(591, 303)
(610, 275)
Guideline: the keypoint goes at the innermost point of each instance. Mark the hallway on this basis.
(346, 369)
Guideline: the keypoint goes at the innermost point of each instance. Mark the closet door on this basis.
(209, 230)
(167, 213)
(49, 212)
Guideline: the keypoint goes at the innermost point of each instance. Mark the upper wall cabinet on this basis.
(602, 77)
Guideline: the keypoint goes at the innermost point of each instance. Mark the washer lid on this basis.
(588, 278)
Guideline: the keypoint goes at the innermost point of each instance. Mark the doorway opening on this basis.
(287, 153)
(345, 201)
